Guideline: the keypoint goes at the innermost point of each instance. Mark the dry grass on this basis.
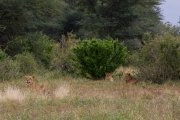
(12, 93)
(62, 91)
(80, 99)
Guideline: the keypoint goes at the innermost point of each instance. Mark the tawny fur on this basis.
(109, 76)
(129, 79)
(30, 82)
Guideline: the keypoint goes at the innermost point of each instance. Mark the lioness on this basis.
(34, 86)
(129, 79)
(109, 76)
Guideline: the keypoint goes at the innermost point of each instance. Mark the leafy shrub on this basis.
(2, 55)
(37, 43)
(28, 65)
(159, 59)
(18, 45)
(9, 69)
(95, 57)
(22, 64)
(62, 53)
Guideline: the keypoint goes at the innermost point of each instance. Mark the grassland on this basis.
(81, 99)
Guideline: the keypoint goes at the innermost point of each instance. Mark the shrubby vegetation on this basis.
(25, 55)
(9, 69)
(37, 43)
(3, 55)
(20, 65)
(159, 59)
(95, 57)
(27, 63)
(62, 55)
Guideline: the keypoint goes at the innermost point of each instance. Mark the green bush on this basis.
(2, 55)
(159, 59)
(9, 69)
(37, 43)
(95, 57)
(21, 64)
(18, 45)
(42, 48)
(62, 53)
(28, 65)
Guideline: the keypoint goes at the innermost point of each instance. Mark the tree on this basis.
(116, 18)
(20, 16)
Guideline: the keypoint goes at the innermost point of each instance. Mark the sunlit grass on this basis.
(62, 91)
(12, 93)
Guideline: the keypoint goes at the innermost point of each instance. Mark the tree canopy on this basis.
(17, 17)
(117, 18)
(86, 18)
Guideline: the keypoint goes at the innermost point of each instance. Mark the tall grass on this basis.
(81, 99)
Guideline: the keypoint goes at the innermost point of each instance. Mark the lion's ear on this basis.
(33, 76)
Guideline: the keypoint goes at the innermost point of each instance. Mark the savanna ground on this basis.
(81, 99)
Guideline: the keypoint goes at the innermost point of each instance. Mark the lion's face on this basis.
(29, 80)
(127, 76)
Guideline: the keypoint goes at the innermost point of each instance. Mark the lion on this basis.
(34, 86)
(109, 76)
(129, 79)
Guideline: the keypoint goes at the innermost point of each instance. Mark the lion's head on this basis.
(29, 80)
(128, 78)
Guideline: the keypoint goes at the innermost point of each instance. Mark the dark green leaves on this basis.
(95, 57)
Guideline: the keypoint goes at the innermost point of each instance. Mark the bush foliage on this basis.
(95, 57)
(27, 63)
(37, 43)
(62, 54)
(159, 59)
(2, 55)
(20, 65)
(9, 69)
